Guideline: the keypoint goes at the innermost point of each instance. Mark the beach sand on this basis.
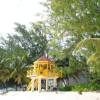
(27, 95)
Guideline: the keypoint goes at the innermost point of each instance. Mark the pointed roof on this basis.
(43, 58)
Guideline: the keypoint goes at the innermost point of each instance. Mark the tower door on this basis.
(43, 84)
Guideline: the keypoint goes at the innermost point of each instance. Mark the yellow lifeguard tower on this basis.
(43, 75)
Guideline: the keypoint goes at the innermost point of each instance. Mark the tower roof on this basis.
(43, 58)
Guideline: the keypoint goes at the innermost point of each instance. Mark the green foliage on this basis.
(72, 31)
(65, 88)
(90, 50)
(20, 50)
(81, 20)
(86, 87)
(32, 40)
(81, 87)
(76, 15)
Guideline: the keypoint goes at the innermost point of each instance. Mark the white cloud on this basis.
(22, 11)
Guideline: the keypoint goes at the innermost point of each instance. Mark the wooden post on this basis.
(32, 84)
(55, 82)
(46, 84)
(39, 84)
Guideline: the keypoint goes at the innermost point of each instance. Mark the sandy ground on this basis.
(50, 96)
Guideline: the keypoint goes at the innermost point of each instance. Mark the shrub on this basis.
(65, 88)
(81, 87)
(86, 87)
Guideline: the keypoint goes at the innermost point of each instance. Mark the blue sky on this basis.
(21, 11)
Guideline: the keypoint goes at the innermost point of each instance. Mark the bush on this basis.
(86, 87)
(65, 88)
(81, 87)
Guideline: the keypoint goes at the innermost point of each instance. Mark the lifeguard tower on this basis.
(43, 75)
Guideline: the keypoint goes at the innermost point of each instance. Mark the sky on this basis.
(21, 11)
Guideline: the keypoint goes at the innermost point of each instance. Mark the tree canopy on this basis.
(78, 19)
(70, 35)
(19, 50)
(79, 16)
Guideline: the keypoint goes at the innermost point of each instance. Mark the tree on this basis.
(4, 70)
(33, 41)
(20, 50)
(79, 16)
(89, 49)
(19, 70)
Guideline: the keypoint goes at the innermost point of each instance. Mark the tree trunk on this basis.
(63, 79)
(16, 87)
(4, 85)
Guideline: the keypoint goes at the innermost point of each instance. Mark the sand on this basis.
(27, 95)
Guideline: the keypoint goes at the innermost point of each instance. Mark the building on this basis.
(43, 75)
